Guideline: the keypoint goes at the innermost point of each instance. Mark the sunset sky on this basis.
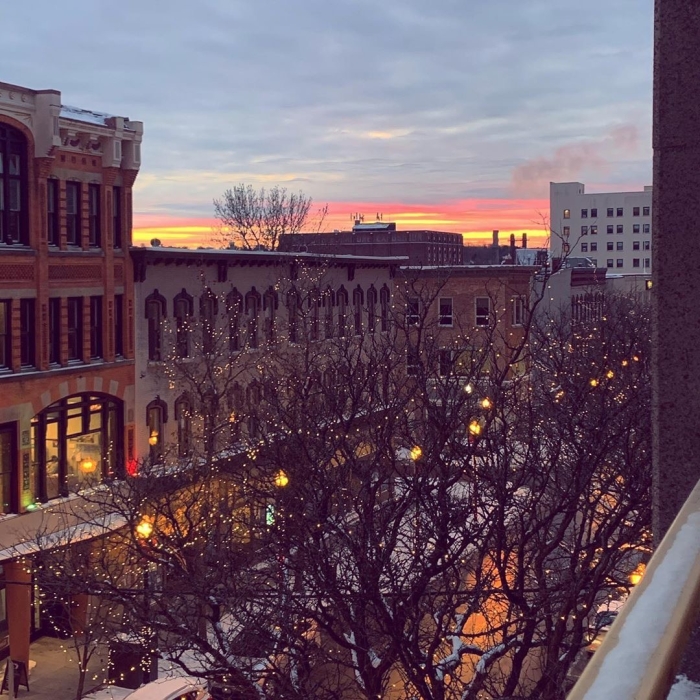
(450, 115)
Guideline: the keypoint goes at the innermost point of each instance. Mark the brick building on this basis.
(66, 314)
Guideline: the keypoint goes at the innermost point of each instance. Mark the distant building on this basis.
(381, 239)
(497, 254)
(611, 228)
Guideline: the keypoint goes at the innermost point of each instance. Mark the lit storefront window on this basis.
(76, 442)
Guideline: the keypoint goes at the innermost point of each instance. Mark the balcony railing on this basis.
(640, 655)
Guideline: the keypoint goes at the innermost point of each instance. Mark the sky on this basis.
(447, 115)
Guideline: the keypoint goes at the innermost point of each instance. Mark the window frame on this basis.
(54, 339)
(117, 230)
(96, 326)
(14, 186)
(53, 211)
(74, 329)
(481, 319)
(445, 316)
(94, 192)
(183, 310)
(73, 213)
(155, 311)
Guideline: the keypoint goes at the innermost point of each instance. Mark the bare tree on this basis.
(256, 218)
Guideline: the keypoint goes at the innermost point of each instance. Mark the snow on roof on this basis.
(89, 116)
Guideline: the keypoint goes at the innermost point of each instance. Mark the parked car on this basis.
(604, 617)
(180, 688)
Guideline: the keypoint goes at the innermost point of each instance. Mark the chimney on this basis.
(512, 249)
(495, 238)
(524, 245)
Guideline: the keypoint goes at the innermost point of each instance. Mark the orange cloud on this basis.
(474, 218)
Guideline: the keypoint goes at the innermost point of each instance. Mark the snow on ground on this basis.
(683, 689)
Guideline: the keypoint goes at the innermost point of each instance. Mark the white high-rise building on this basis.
(613, 229)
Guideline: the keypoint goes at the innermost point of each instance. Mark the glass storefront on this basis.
(76, 442)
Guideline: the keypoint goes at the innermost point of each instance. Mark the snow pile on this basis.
(684, 689)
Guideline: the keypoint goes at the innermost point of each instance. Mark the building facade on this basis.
(66, 313)
(613, 229)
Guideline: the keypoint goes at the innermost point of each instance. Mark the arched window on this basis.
(156, 418)
(314, 304)
(183, 416)
(371, 309)
(385, 307)
(252, 309)
(358, 299)
(253, 399)
(270, 303)
(183, 308)
(156, 311)
(14, 225)
(208, 308)
(234, 308)
(341, 301)
(328, 304)
(293, 310)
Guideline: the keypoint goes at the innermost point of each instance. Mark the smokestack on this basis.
(495, 238)
(524, 240)
(512, 249)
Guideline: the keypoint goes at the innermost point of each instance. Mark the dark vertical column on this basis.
(676, 268)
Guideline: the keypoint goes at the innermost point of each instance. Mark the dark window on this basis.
(412, 361)
(635, 245)
(182, 311)
(646, 211)
(293, 311)
(594, 213)
(5, 334)
(482, 307)
(357, 301)
(647, 245)
(371, 309)
(646, 228)
(73, 223)
(75, 328)
(594, 245)
(234, 304)
(594, 230)
(620, 211)
(328, 303)
(183, 416)
(252, 307)
(647, 262)
(446, 361)
(620, 262)
(269, 309)
(584, 247)
(117, 217)
(620, 228)
(27, 332)
(610, 246)
(635, 262)
(94, 227)
(619, 245)
(314, 312)
(412, 311)
(342, 304)
(155, 313)
(445, 311)
(635, 228)
(119, 325)
(384, 307)
(594, 261)
(95, 327)
(610, 211)
(584, 230)
(518, 311)
(635, 211)
(610, 262)
(610, 228)
(54, 330)
(14, 227)
(52, 212)
(584, 213)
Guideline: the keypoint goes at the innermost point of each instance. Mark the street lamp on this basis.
(281, 479)
(144, 528)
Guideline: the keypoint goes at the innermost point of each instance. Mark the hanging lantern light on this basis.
(281, 479)
(144, 528)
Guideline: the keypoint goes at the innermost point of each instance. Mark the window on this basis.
(446, 361)
(619, 245)
(412, 311)
(412, 361)
(95, 327)
(183, 416)
(94, 227)
(594, 213)
(610, 211)
(52, 211)
(482, 306)
(75, 328)
(155, 313)
(584, 247)
(518, 311)
(371, 309)
(567, 213)
(635, 228)
(647, 262)
(610, 246)
(620, 228)
(117, 217)
(357, 302)
(384, 307)
(252, 309)
(635, 245)
(594, 230)
(610, 262)
(293, 311)
(595, 262)
(566, 231)
(208, 308)
(647, 245)
(646, 228)
(14, 226)
(635, 211)
(646, 211)
(594, 246)
(342, 304)
(156, 418)
(5, 334)
(314, 302)
(584, 213)
(620, 211)
(584, 230)
(445, 311)
(183, 309)
(635, 262)
(270, 304)
(610, 228)
(119, 325)
(54, 331)
(619, 262)
(76, 442)
(328, 303)
(27, 332)
(234, 304)
(73, 232)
